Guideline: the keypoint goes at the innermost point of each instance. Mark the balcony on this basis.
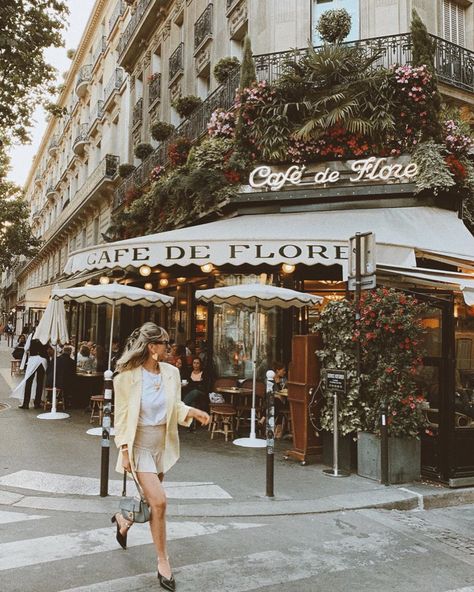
(38, 178)
(203, 28)
(81, 139)
(454, 65)
(176, 63)
(53, 146)
(145, 19)
(51, 193)
(83, 79)
(117, 13)
(112, 87)
(98, 182)
(137, 114)
(154, 89)
(99, 51)
(96, 115)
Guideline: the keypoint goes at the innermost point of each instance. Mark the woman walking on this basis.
(148, 409)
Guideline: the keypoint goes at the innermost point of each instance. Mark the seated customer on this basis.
(197, 387)
(84, 360)
(19, 348)
(182, 367)
(65, 373)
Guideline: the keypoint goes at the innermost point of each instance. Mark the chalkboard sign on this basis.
(336, 380)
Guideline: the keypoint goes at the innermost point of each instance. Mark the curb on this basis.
(382, 500)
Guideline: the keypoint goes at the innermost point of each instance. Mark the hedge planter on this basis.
(404, 458)
(347, 445)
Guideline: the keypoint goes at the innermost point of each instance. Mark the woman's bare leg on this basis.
(155, 495)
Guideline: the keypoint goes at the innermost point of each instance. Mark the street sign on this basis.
(335, 380)
(367, 254)
(366, 283)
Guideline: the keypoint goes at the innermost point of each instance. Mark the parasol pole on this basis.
(111, 334)
(53, 402)
(254, 376)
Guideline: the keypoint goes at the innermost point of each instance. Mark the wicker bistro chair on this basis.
(222, 414)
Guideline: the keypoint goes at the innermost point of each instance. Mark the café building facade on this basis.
(290, 226)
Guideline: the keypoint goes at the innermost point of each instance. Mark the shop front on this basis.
(286, 229)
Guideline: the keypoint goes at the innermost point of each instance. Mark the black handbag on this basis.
(133, 509)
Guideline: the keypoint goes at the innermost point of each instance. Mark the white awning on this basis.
(308, 238)
(37, 297)
(461, 282)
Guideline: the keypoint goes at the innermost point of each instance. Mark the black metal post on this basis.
(270, 438)
(105, 443)
(358, 284)
(384, 445)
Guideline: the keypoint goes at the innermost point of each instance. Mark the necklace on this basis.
(155, 378)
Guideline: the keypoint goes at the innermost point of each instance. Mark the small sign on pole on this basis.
(335, 380)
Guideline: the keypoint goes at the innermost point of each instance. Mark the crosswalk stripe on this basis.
(9, 517)
(263, 569)
(76, 544)
(71, 484)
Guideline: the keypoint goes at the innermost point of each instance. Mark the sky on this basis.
(22, 156)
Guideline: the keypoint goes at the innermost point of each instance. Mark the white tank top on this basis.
(153, 400)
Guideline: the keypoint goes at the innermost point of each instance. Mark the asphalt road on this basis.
(362, 550)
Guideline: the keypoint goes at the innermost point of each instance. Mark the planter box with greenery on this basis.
(186, 105)
(389, 332)
(143, 150)
(404, 458)
(161, 130)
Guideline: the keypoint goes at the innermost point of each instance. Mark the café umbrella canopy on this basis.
(256, 296)
(52, 328)
(113, 294)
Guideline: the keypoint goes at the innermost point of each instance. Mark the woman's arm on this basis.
(120, 412)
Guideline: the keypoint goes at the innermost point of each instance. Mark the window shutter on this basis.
(453, 22)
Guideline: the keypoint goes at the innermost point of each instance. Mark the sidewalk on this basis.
(211, 479)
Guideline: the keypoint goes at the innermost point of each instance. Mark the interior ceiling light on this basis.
(207, 268)
(181, 280)
(164, 282)
(104, 280)
(145, 270)
(288, 268)
(148, 286)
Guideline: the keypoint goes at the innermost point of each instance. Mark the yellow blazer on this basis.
(128, 392)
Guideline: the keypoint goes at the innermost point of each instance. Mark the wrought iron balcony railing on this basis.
(116, 14)
(97, 112)
(84, 76)
(113, 84)
(137, 114)
(176, 61)
(154, 89)
(140, 9)
(99, 50)
(203, 26)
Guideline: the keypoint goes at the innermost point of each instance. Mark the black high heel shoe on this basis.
(167, 583)
(121, 538)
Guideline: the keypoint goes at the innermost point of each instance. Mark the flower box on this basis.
(404, 458)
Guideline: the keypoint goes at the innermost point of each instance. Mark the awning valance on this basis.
(461, 282)
(309, 238)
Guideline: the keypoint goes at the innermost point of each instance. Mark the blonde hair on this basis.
(136, 348)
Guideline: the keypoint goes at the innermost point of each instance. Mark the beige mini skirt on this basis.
(148, 449)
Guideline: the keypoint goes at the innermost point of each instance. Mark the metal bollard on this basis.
(105, 442)
(384, 462)
(270, 473)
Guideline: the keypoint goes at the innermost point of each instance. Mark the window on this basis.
(321, 6)
(453, 22)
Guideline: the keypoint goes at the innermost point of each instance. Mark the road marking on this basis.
(9, 517)
(7, 498)
(23, 553)
(73, 485)
(264, 569)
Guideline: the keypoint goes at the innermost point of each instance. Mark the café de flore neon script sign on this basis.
(367, 170)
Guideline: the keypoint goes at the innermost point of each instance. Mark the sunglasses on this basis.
(162, 342)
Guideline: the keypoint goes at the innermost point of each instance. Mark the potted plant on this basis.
(161, 130)
(334, 25)
(143, 150)
(186, 105)
(390, 335)
(178, 151)
(224, 68)
(126, 169)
